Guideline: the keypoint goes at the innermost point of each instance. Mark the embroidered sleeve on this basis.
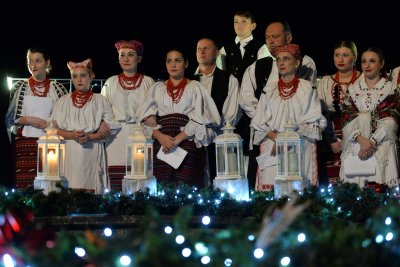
(354, 135)
(349, 112)
(196, 132)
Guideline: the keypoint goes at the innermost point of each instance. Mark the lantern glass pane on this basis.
(241, 160)
(138, 160)
(232, 153)
(282, 159)
(220, 159)
(62, 159)
(150, 161)
(41, 160)
(293, 159)
(129, 159)
(52, 160)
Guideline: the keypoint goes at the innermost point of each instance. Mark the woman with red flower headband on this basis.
(289, 99)
(22, 118)
(78, 117)
(333, 92)
(126, 93)
(186, 112)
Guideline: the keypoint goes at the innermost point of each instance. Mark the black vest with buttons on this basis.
(235, 64)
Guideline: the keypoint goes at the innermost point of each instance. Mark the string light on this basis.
(205, 259)
(258, 253)
(186, 252)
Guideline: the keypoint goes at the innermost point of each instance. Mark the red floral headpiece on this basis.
(291, 48)
(133, 44)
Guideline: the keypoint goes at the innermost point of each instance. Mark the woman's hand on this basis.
(166, 141)
(336, 146)
(367, 147)
(104, 130)
(33, 121)
(182, 136)
(150, 121)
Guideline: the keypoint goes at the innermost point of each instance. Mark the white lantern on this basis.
(230, 166)
(50, 161)
(139, 162)
(289, 149)
(229, 154)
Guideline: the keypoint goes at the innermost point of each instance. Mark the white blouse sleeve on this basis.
(231, 110)
(247, 99)
(312, 122)
(203, 117)
(260, 119)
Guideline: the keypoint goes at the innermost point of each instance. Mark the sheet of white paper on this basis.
(35, 106)
(354, 166)
(173, 158)
(265, 160)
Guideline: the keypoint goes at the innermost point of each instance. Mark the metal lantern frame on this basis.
(229, 154)
(139, 155)
(51, 156)
(289, 147)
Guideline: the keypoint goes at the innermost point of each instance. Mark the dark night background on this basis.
(76, 30)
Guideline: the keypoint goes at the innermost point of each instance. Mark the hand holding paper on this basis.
(174, 157)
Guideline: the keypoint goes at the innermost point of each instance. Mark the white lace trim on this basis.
(196, 132)
(312, 131)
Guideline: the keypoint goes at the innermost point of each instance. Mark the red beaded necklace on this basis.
(130, 83)
(176, 92)
(287, 90)
(339, 85)
(80, 99)
(37, 87)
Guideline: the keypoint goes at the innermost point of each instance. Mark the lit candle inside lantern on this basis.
(139, 160)
(52, 163)
(232, 162)
(293, 162)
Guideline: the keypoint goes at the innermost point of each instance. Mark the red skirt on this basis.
(191, 171)
(25, 159)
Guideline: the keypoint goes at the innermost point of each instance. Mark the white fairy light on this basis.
(179, 239)
(301, 237)
(80, 252)
(125, 260)
(168, 230)
(389, 236)
(285, 261)
(205, 259)
(186, 252)
(258, 253)
(379, 238)
(107, 232)
(206, 220)
(228, 262)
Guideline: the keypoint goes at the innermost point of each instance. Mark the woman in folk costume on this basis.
(333, 92)
(30, 107)
(78, 116)
(289, 100)
(370, 125)
(125, 92)
(185, 112)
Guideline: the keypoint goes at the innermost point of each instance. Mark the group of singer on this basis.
(346, 119)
